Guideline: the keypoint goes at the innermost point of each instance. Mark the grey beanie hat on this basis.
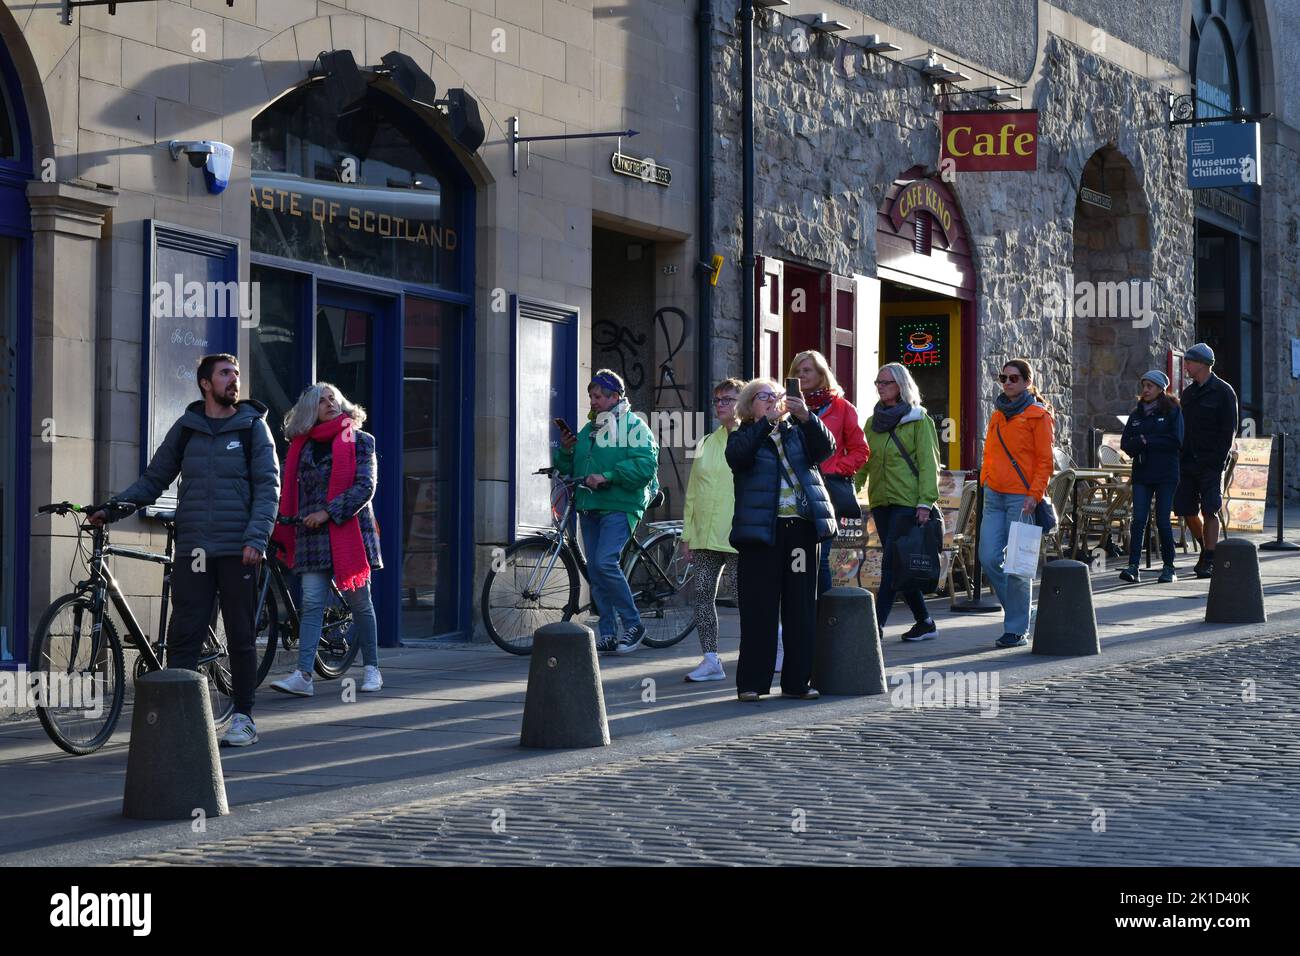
(1200, 352)
(1157, 376)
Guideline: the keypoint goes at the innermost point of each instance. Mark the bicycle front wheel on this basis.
(660, 580)
(338, 638)
(267, 631)
(214, 664)
(82, 673)
(535, 582)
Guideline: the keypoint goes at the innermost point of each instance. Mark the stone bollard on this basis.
(1236, 596)
(1066, 624)
(564, 707)
(173, 767)
(848, 660)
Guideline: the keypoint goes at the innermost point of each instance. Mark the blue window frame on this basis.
(15, 227)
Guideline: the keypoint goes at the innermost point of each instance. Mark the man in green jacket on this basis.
(618, 459)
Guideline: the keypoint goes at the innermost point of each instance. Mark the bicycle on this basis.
(526, 588)
(76, 640)
(338, 645)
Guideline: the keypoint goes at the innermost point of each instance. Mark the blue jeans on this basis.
(603, 537)
(892, 522)
(1013, 591)
(1164, 495)
(315, 595)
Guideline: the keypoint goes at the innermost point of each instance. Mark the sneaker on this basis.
(1012, 640)
(296, 684)
(1130, 574)
(606, 643)
(242, 732)
(925, 630)
(1204, 565)
(780, 651)
(811, 693)
(372, 681)
(631, 639)
(1168, 575)
(748, 696)
(710, 669)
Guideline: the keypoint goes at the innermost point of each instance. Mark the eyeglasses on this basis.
(882, 382)
(1008, 378)
(770, 396)
(724, 401)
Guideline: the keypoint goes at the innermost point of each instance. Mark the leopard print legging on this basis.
(709, 566)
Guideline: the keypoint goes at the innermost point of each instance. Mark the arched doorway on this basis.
(15, 357)
(1225, 78)
(363, 252)
(927, 304)
(1111, 300)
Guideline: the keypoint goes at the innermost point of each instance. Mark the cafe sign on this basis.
(989, 141)
(921, 194)
(646, 170)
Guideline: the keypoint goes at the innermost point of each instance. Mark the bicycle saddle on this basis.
(168, 517)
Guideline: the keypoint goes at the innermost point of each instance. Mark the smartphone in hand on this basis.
(792, 387)
(562, 425)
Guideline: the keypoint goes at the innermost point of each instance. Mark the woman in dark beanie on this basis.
(782, 513)
(329, 479)
(1153, 438)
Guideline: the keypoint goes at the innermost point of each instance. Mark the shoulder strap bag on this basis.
(1045, 511)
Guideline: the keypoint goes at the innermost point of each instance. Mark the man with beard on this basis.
(229, 494)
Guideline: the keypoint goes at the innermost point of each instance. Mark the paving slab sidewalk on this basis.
(453, 712)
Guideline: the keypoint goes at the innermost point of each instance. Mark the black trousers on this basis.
(768, 585)
(192, 594)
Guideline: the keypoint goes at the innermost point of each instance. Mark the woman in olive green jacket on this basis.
(616, 456)
(900, 492)
(706, 527)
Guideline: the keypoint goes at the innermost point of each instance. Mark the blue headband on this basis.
(608, 383)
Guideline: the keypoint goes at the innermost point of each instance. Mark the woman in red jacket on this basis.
(826, 400)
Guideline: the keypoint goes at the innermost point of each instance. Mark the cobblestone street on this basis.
(1156, 763)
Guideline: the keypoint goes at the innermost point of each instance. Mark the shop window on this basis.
(8, 128)
(356, 192)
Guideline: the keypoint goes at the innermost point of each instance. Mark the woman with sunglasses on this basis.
(706, 526)
(902, 478)
(782, 513)
(1017, 465)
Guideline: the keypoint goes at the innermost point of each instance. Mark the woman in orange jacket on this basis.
(1017, 466)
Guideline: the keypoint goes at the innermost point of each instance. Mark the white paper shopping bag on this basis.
(1023, 544)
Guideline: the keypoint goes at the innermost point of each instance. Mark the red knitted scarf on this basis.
(347, 549)
(819, 397)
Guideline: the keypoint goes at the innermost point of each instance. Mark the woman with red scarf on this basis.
(824, 397)
(329, 479)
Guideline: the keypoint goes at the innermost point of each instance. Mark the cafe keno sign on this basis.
(989, 141)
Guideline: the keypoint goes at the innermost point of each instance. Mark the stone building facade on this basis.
(494, 302)
(838, 131)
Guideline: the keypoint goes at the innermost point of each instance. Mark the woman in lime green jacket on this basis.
(706, 527)
(902, 477)
(616, 456)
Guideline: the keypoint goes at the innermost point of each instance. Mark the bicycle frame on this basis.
(101, 582)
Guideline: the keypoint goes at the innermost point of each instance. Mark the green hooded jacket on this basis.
(886, 474)
(620, 446)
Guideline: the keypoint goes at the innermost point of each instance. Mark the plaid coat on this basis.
(312, 547)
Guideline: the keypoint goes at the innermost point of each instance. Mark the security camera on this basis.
(212, 157)
(198, 150)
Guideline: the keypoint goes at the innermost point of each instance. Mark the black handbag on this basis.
(1044, 511)
(843, 497)
(916, 556)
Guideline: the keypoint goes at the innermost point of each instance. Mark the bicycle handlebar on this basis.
(114, 509)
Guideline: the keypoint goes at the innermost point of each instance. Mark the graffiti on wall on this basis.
(625, 343)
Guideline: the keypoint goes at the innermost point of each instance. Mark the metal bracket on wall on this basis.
(69, 5)
(1182, 112)
(516, 139)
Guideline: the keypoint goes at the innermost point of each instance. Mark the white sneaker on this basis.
(780, 650)
(296, 684)
(372, 681)
(242, 732)
(710, 669)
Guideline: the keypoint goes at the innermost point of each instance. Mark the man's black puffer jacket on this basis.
(754, 462)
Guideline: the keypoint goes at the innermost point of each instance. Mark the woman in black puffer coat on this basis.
(1152, 438)
(782, 513)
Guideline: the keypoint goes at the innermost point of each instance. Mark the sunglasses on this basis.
(1008, 378)
(770, 396)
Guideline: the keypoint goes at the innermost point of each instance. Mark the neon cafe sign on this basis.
(920, 345)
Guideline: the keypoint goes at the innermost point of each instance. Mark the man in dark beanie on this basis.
(1210, 425)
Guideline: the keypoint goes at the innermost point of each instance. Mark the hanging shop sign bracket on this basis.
(1182, 112)
(516, 139)
(70, 5)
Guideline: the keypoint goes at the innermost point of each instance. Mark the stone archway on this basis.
(1112, 297)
